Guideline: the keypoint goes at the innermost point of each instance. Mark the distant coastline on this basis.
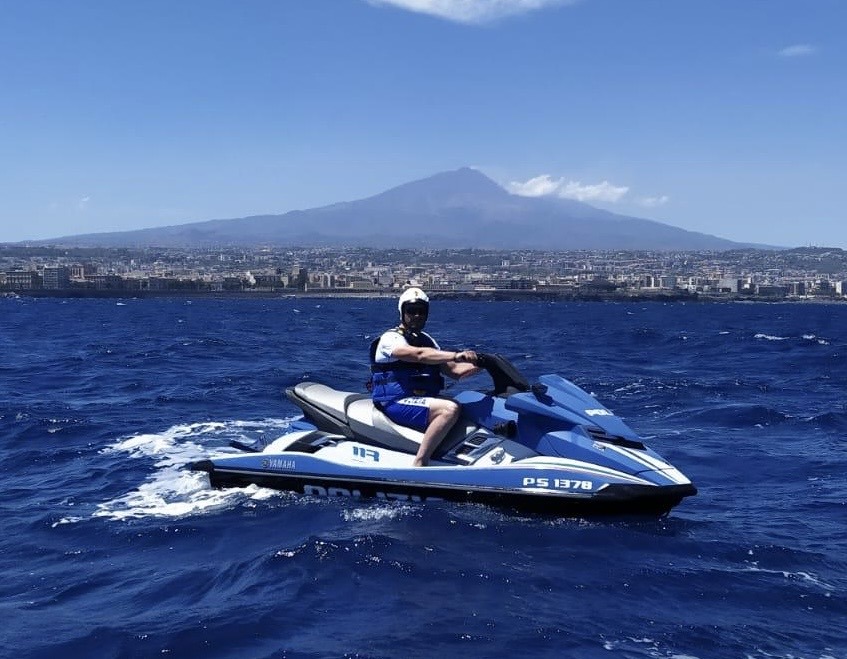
(803, 274)
(478, 296)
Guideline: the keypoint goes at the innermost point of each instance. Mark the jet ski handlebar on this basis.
(507, 379)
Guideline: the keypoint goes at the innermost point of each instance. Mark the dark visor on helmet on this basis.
(416, 308)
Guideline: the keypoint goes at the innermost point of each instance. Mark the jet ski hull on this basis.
(321, 464)
(621, 500)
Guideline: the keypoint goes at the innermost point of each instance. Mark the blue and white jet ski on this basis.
(548, 447)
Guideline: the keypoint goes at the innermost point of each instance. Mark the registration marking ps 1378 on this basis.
(557, 483)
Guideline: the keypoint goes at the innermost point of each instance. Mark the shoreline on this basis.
(476, 296)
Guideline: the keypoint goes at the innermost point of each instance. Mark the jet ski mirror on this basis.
(539, 389)
(540, 392)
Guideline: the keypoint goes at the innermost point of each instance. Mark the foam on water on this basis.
(809, 338)
(377, 512)
(815, 339)
(651, 647)
(801, 577)
(172, 490)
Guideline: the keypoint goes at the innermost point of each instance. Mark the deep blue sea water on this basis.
(111, 549)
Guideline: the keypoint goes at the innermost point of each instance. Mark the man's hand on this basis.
(465, 356)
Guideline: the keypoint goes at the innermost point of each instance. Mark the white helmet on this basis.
(410, 296)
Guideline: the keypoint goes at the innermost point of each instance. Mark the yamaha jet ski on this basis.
(546, 447)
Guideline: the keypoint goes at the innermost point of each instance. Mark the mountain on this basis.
(461, 208)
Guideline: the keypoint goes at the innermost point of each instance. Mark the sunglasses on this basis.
(416, 311)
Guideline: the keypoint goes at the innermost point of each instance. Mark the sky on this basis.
(727, 117)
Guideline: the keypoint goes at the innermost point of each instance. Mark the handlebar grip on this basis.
(482, 359)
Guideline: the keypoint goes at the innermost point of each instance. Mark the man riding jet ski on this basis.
(547, 447)
(407, 375)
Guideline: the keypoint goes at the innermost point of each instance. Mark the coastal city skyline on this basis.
(804, 273)
(719, 117)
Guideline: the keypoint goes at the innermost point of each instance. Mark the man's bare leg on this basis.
(442, 415)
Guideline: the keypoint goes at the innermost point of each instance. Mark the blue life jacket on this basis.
(393, 380)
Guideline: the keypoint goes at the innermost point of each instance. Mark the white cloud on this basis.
(539, 186)
(653, 202)
(472, 11)
(545, 185)
(83, 202)
(604, 191)
(798, 50)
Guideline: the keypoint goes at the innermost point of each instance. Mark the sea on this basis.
(110, 547)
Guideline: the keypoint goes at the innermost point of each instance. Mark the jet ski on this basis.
(547, 447)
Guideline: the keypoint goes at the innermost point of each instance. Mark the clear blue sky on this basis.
(722, 116)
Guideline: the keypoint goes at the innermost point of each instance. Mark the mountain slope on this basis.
(461, 208)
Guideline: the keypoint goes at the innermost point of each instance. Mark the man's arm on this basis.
(419, 355)
(454, 364)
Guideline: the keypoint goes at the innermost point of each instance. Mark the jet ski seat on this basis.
(368, 421)
(325, 406)
(354, 415)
